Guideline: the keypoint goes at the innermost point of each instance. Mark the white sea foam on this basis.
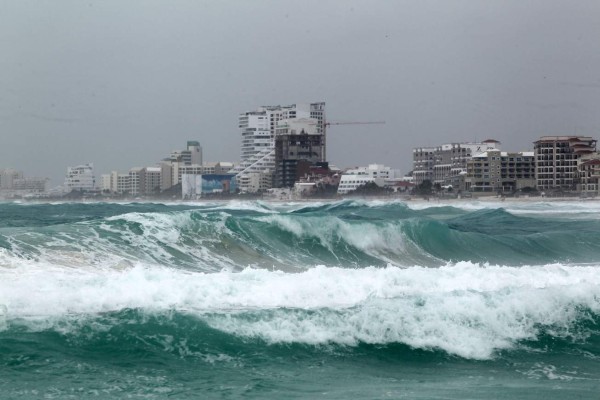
(568, 209)
(464, 309)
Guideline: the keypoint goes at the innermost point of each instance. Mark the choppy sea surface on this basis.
(352, 299)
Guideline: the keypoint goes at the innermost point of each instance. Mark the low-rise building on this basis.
(588, 174)
(496, 171)
(255, 181)
(352, 179)
(30, 185)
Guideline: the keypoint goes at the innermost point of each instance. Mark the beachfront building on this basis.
(30, 185)
(80, 178)
(556, 159)
(446, 165)
(255, 182)
(588, 174)
(123, 183)
(259, 131)
(8, 177)
(180, 162)
(137, 182)
(354, 178)
(496, 171)
(116, 183)
(152, 181)
(297, 142)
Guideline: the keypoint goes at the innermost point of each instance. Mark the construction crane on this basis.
(327, 123)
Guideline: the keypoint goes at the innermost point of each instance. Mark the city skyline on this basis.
(97, 82)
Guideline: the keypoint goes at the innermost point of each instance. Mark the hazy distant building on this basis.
(30, 185)
(152, 181)
(556, 160)
(496, 171)
(166, 175)
(192, 155)
(105, 182)
(80, 178)
(116, 183)
(123, 184)
(447, 163)
(177, 161)
(8, 177)
(137, 181)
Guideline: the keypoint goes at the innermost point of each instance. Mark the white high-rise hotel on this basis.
(80, 178)
(258, 130)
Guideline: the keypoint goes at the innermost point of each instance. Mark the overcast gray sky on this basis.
(122, 83)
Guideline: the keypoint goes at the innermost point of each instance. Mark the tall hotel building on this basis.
(556, 160)
(259, 130)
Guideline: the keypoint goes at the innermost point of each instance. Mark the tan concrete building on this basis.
(498, 171)
(556, 160)
(588, 174)
(446, 164)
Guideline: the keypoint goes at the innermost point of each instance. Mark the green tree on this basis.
(424, 188)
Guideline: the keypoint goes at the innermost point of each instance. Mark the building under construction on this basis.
(298, 145)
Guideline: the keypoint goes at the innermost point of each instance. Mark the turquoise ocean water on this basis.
(352, 299)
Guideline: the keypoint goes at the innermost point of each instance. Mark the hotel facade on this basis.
(556, 160)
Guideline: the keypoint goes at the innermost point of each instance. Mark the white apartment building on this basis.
(123, 183)
(258, 131)
(80, 178)
(352, 179)
(105, 183)
(8, 177)
(30, 185)
(116, 183)
(252, 182)
(138, 181)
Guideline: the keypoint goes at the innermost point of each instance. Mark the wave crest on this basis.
(465, 309)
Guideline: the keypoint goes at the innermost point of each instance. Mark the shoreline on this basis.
(404, 199)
